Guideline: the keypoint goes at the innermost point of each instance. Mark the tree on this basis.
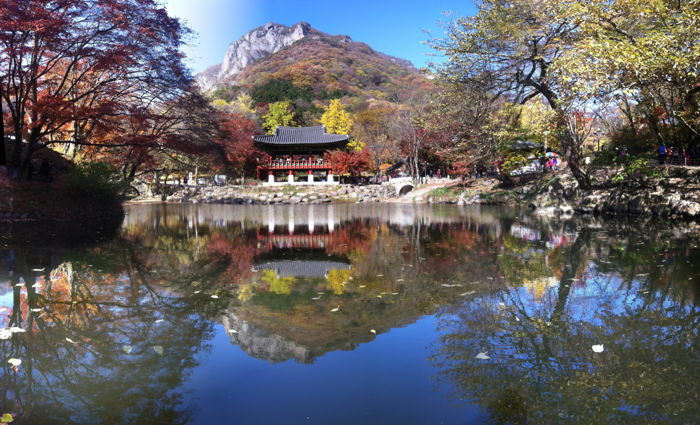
(235, 143)
(644, 50)
(72, 66)
(175, 136)
(280, 114)
(336, 119)
(353, 163)
(371, 127)
(509, 49)
(410, 125)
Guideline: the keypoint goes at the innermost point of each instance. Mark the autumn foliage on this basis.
(352, 163)
(98, 73)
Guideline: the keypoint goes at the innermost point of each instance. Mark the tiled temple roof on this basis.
(301, 136)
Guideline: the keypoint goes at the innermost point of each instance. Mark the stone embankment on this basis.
(282, 194)
(676, 193)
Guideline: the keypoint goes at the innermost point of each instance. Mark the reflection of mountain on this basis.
(261, 343)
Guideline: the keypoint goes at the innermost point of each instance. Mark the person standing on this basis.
(662, 154)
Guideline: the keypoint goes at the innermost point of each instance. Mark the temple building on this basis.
(297, 155)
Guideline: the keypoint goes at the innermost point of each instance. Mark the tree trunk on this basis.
(3, 156)
(583, 179)
(577, 254)
(17, 152)
(572, 151)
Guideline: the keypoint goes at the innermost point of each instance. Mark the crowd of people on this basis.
(669, 155)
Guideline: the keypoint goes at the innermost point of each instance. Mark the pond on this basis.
(351, 314)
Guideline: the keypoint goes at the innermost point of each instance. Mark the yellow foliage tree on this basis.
(338, 121)
(280, 114)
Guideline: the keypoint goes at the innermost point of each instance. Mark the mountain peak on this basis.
(250, 48)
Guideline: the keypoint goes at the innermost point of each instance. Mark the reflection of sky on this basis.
(6, 298)
(590, 296)
(387, 378)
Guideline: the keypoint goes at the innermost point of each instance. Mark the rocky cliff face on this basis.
(252, 47)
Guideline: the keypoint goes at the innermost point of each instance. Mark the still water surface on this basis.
(351, 314)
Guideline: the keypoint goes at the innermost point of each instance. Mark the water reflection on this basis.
(110, 333)
(631, 293)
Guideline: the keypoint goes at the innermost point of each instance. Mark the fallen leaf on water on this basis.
(127, 348)
(15, 362)
(394, 293)
(483, 356)
(316, 298)
(197, 292)
(6, 418)
(335, 309)
(597, 348)
(71, 341)
(215, 296)
(373, 331)
(158, 349)
(379, 296)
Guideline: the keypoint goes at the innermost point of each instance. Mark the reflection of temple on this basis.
(318, 269)
(298, 251)
(278, 218)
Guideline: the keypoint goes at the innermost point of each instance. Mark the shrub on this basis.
(96, 180)
(635, 166)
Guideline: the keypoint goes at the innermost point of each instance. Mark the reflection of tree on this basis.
(100, 347)
(542, 368)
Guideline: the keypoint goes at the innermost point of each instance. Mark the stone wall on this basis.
(282, 194)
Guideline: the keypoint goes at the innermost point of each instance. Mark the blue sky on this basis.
(393, 27)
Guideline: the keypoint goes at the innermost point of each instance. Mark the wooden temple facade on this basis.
(297, 155)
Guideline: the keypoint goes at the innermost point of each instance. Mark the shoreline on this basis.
(675, 194)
